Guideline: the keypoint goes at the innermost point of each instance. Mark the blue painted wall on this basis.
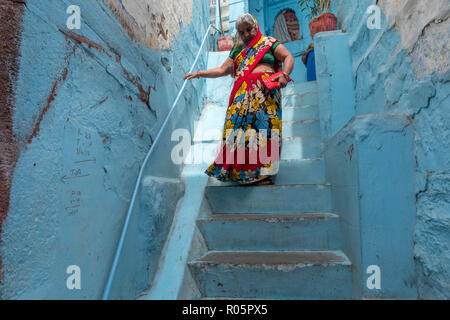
(218, 89)
(89, 104)
(400, 69)
(335, 81)
(370, 166)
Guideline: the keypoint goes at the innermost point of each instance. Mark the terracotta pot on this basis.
(225, 43)
(324, 22)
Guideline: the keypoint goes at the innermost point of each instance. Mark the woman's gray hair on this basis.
(245, 18)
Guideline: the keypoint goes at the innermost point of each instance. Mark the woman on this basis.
(252, 130)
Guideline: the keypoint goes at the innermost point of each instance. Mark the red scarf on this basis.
(248, 59)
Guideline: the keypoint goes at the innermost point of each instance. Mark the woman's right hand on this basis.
(190, 76)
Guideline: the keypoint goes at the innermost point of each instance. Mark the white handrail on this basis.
(138, 182)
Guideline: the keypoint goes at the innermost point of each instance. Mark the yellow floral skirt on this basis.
(251, 141)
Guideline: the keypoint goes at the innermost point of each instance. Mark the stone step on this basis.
(229, 298)
(300, 128)
(304, 171)
(307, 112)
(301, 148)
(294, 88)
(270, 232)
(299, 99)
(296, 121)
(210, 125)
(272, 274)
(279, 199)
(292, 148)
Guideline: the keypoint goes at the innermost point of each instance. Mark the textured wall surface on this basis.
(87, 106)
(11, 14)
(403, 68)
(423, 27)
(147, 233)
(153, 23)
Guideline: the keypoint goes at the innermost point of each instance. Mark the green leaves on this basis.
(315, 7)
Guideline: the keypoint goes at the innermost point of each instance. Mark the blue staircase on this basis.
(276, 241)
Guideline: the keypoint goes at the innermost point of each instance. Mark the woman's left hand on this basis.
(282, 82)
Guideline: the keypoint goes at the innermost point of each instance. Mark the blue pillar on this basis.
(335, 81)
(370, 164)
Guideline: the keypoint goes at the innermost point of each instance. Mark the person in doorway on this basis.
(251, 141)
(309, 60)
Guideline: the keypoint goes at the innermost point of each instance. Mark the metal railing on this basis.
(138, 182)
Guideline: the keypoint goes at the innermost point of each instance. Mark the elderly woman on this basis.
(252, 129)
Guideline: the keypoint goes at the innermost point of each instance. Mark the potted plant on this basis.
(320, 18)
(224, 43)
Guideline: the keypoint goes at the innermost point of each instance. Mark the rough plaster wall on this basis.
(403, 69)
(10, 28)
(153, 23)
(424, 30)
(90, 100)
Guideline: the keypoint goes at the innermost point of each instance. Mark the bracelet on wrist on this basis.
(286, 75)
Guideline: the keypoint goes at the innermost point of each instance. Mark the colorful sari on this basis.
(251, 140)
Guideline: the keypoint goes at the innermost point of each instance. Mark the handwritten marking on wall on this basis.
(82, 167)
(75, 202)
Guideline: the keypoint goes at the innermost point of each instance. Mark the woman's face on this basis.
(246, 32)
